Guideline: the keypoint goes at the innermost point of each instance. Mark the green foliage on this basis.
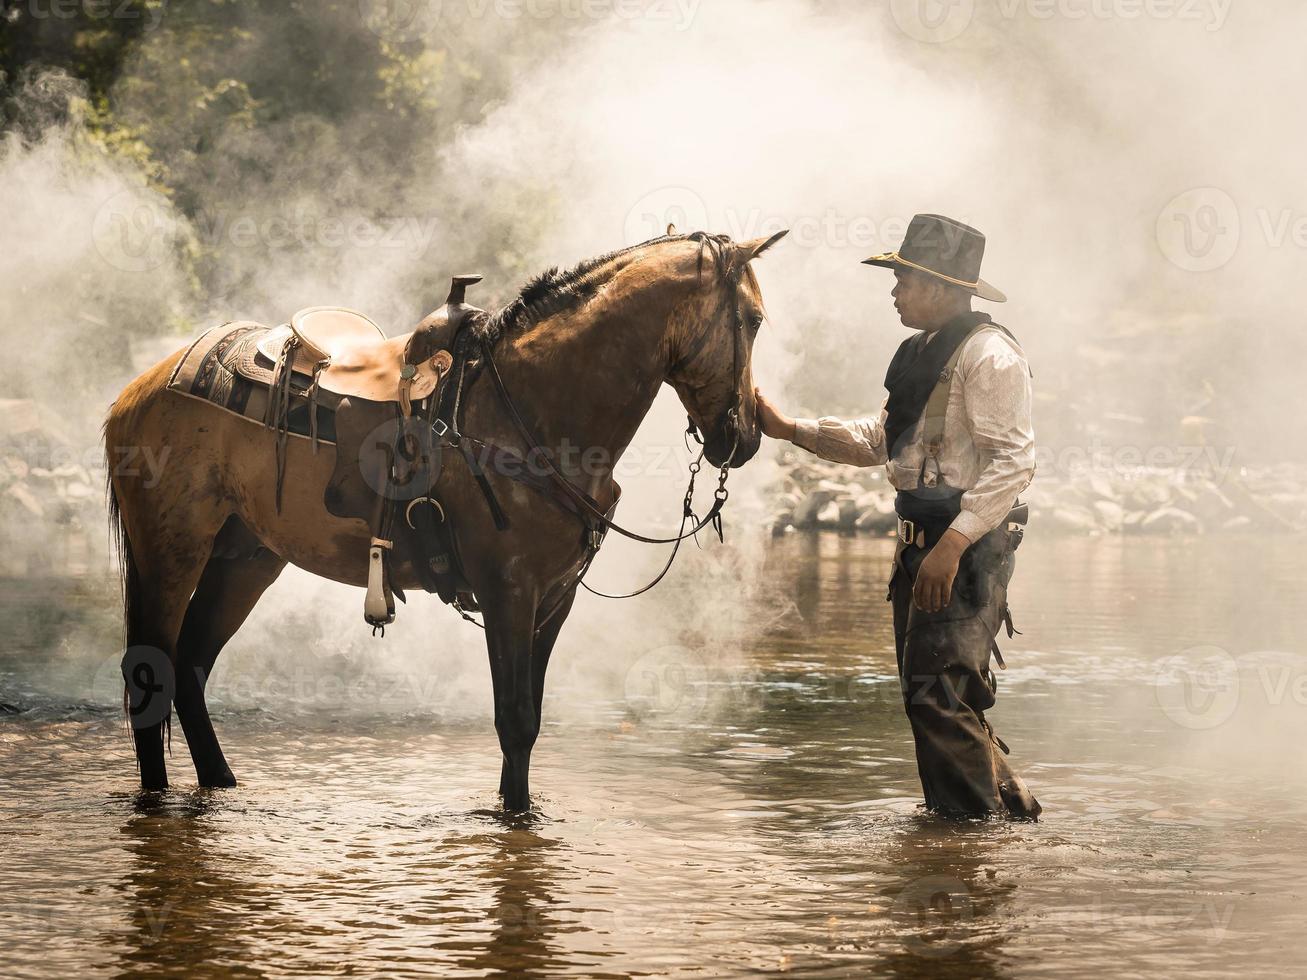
(225, 104)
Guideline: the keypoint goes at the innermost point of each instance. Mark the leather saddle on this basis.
(388, 425)
(349, 355)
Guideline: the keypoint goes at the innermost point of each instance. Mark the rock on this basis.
(876, 521)
(18, 416)
(1150, 494)
(805, 515)
(78, 491)
(1078, 519)
(881, 501)
(1211, 504)
(1171, 520)
(1110, 514)
(849, 513)
(16, 467)
(829, 516)
(28, 500)
(1102, 487)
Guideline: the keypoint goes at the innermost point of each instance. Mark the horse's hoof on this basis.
(221, 780)
(515, 803)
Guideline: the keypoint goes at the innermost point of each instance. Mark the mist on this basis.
(1090, 142)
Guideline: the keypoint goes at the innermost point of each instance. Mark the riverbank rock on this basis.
(812, 494)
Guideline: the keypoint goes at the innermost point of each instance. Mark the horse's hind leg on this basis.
(165, 566)
(232, 583)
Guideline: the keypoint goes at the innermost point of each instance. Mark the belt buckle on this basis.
(907, 531)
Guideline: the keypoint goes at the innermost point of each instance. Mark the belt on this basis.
(916, 532)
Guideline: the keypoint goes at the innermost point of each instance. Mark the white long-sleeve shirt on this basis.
(988, 450)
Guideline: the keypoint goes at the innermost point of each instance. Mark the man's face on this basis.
(919, 298)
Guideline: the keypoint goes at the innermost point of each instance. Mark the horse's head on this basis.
(711, 363)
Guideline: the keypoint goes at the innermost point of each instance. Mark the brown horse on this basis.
(583, 354)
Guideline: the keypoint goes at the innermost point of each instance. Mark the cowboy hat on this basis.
(945, 249)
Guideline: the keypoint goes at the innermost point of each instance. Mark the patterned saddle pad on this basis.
(224, 367)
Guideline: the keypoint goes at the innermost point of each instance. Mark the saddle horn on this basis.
(458, 289)
(438, 330)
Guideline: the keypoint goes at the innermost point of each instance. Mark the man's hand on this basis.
(934, 586)
(773, 421)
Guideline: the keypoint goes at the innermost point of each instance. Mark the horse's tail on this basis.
(115, 429)
(122, 545)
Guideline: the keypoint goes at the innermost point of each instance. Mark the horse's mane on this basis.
(557, 291)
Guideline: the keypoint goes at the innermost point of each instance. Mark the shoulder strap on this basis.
(937, 404)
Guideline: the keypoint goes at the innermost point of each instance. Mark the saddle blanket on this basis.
(225, 368)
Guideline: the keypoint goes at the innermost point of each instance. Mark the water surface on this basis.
(705, 815)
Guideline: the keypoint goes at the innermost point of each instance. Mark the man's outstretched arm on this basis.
(857, 442)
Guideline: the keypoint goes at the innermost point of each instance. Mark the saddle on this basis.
(344, 352)
(388, 423)
(390, 407)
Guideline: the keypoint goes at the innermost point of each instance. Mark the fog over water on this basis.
(725, 781)
(1136, 174)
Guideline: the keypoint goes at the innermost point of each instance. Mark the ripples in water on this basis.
(703, 816)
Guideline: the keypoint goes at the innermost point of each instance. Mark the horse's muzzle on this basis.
(725, 445)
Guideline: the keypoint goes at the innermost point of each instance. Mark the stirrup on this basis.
(379, 604)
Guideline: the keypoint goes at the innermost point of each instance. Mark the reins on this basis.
(586, 505)
(583, 500)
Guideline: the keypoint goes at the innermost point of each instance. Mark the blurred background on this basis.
(167, 166)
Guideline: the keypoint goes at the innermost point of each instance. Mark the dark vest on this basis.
(913, 374)
(915, 370)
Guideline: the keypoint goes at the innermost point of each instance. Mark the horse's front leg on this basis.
(510, 622)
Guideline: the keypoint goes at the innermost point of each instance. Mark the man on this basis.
(956, 438)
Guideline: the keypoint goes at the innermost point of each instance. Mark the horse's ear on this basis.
(750, 250)
(671, 230)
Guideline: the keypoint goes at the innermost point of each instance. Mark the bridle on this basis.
(585, 504)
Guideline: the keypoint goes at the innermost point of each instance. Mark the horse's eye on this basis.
(756, 323)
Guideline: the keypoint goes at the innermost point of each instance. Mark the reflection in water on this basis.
(759, 815)
(947, 903)
(181, 898)
(517, 868)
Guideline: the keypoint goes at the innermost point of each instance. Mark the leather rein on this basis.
(585, 505)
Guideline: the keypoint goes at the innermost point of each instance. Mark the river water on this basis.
(702, 819)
